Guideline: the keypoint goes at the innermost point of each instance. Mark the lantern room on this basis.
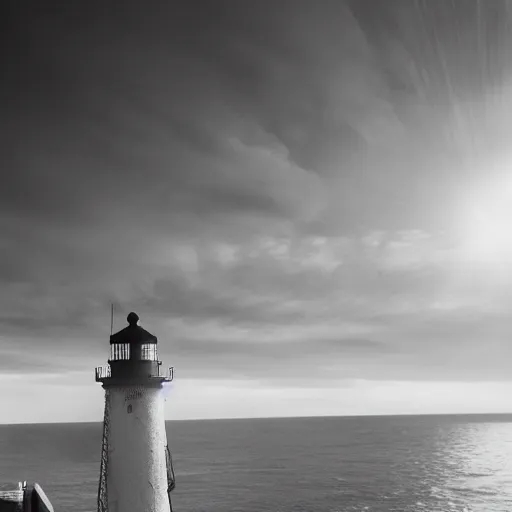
(133, 343)
(133, 355)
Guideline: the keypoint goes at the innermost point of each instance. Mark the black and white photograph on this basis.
(256, 256)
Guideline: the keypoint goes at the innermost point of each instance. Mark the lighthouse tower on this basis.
(136, 472)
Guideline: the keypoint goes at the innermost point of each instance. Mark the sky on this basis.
(307, 202)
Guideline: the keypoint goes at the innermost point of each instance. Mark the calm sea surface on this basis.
(432, 463)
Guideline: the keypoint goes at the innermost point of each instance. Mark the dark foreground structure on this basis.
(25, 499)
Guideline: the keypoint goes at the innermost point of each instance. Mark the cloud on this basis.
(336, 303)
(370, 307)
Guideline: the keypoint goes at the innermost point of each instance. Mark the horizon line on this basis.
(320, 416)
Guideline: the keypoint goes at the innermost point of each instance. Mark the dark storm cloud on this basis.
(103, 103)
(110, 102)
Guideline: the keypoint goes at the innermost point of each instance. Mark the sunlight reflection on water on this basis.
(475, 461)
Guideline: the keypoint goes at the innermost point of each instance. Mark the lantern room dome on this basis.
(133, 333)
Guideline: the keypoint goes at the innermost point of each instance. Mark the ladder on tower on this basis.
(102, 488)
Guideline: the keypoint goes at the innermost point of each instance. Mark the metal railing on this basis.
(104, 372)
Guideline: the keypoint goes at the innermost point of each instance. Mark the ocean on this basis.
(379, 464)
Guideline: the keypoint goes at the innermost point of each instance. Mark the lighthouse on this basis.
(136, 473)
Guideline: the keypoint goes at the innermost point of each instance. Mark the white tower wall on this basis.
(137, 471)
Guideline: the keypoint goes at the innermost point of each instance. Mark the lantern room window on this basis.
(149, 352)
(119, 351)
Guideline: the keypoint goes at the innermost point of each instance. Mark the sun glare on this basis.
(488, 223)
